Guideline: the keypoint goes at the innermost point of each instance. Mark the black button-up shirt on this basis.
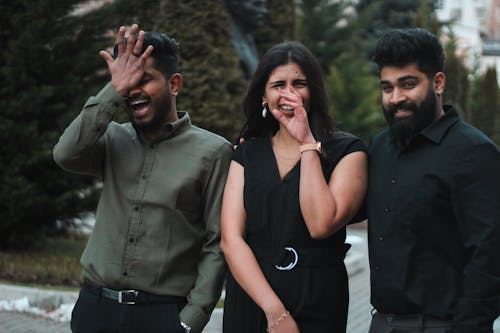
(434, 224)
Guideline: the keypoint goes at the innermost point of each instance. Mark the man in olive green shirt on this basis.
(152, 262)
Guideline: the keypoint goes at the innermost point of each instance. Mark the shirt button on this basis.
(131, 240)
(393, 181)
(381, 238)
(387, 209)
(377, 268)
(125, 274)
(136, 208)
(143, 176)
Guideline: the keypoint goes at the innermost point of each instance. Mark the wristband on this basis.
(311, 146)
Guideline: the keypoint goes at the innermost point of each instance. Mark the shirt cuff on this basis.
(194, 317)
(110, 98)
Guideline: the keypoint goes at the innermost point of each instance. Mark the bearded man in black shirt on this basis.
(433, 201)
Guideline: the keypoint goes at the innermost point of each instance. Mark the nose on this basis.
(135, 91)
(288, 87)
(397, 96)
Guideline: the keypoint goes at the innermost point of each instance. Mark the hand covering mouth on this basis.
(286, 108)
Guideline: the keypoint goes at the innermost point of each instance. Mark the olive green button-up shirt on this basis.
(157, 223)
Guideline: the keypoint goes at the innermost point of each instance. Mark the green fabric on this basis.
(158, 220)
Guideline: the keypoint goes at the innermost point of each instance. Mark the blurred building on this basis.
(476, 26)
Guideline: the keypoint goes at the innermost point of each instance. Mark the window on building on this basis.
(456, 14)
(480, 12)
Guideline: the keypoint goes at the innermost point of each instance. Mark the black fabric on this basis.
(315, 293)
(95, 314)
(131, 296)
(389, 323)
(310, 257)
(434, 224)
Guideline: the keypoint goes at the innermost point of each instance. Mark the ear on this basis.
(175, 83)
(439, 83)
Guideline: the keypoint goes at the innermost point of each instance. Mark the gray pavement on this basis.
(359, 305)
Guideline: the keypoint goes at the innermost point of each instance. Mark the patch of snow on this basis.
(62, 314)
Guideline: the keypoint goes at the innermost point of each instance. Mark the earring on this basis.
(264, 109)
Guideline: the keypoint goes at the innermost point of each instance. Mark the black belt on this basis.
(288, 257)
(131, 296)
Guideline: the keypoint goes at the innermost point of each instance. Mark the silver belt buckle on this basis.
(120, 296)
(293, 263)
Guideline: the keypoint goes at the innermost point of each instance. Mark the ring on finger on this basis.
(136, 54)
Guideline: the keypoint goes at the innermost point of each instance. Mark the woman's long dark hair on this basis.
(320, 122)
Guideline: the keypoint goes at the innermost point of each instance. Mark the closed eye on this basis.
(300, 83)
(277, 84)
(146, 78)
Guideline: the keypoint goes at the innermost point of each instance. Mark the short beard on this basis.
(163, 107)
(156, 122)
(404, 129)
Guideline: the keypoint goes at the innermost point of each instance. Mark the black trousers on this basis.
(388, 323)
(96, 314)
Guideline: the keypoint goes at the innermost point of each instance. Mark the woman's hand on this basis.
(297, 125)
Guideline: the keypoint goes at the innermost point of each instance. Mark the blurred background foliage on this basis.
(49, 66)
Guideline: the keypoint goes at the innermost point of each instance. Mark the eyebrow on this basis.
(401, 79)
(294, 81)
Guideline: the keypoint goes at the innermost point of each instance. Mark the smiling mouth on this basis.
(287, 109)
(139, 107)
(402, 113)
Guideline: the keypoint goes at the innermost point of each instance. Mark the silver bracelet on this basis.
(186, 327)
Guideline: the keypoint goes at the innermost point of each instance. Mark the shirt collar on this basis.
(170, 130)
(437, 130)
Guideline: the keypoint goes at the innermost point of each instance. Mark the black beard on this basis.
(156, 122)
(404, 129)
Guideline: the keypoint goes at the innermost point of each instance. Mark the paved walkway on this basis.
(359, 307)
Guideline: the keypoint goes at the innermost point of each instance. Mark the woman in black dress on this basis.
(292, 186)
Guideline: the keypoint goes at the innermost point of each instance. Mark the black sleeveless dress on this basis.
(308, 275)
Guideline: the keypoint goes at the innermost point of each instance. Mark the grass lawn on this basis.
(54, 262)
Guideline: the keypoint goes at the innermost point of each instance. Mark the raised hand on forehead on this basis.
(127, 69)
